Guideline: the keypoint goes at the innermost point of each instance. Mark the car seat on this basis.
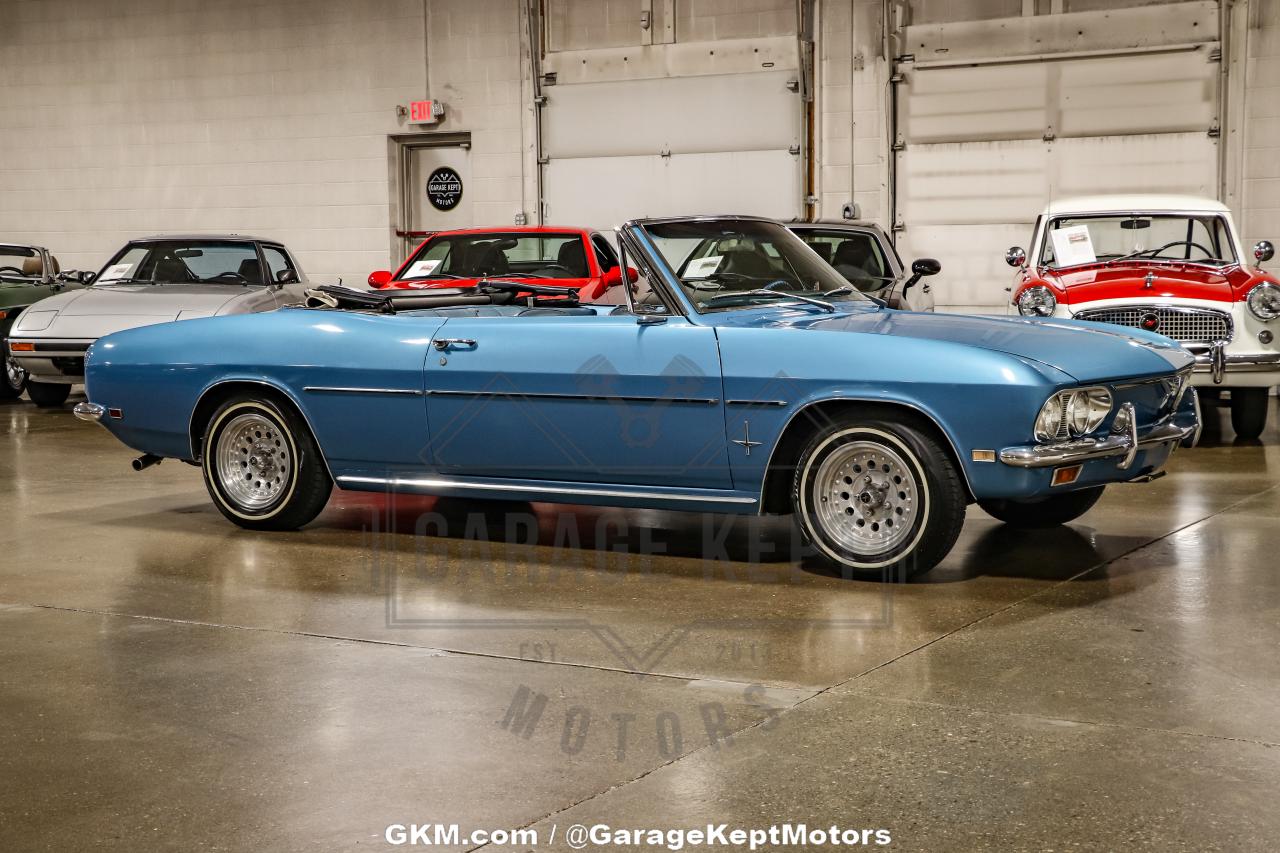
(747, 262)
(32, 266)
(572, 258)
(250, 270)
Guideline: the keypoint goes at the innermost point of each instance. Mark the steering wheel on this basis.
(230, 276)
(15, 269)
(771, 285)
(1192, 243)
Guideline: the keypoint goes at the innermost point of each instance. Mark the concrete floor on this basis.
(168, 681)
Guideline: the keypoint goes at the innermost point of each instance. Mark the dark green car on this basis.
(27, 275)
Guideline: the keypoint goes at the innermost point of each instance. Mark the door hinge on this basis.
(549, 79)
(794, 149)
(899, 227)
(1215, 55)
(1214, 131)
(899, 144)
(540, 100)
(793, 85)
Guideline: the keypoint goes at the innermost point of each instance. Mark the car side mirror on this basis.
(76, 275)
(921, 268)
(1016, 257)
(613, 276)
(926, 266)
(379, 278)
(287, 277)
(1263, 251)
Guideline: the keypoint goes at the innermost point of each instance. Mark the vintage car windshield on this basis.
(722, 264)
(1196, 238)
(856, 255)
(529, 255)
(20, 262)
(184, 262)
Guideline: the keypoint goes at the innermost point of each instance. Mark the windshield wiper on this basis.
(784, 295)
(131, 280)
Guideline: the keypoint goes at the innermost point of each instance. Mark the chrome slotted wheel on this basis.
(253, 461)
(866, 497)
(14, 374)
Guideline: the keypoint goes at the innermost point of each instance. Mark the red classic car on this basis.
(539, 254)
(1167, 264)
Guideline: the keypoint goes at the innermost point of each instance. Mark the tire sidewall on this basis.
(804, 494)
(208, 462)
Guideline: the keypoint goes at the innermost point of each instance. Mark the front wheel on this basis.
(262, 467)
(48, 395)
(14, 381)
(1043, 512)
(1249, 411)
(879, 497)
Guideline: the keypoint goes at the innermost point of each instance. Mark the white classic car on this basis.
(150, 280)
(1167, 264)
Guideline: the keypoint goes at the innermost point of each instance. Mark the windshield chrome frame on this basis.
(636, 229)
(1042, 234)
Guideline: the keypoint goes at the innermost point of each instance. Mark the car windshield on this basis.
(184, 262)
(1196, 238)
(856, 255)
(724, 264)
(528, 255)
(20, 262)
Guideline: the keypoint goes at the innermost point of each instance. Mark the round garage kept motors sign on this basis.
(444, 188)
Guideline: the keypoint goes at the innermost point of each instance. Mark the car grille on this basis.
(1186, 325)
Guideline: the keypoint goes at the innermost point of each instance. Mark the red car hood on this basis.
(1126, 281)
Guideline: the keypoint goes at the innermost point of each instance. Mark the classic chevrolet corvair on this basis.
(750, 379)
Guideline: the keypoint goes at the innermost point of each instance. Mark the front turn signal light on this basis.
(22, 346)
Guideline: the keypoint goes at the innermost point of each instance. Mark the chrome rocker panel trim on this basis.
(436, 485)
(1087, 449)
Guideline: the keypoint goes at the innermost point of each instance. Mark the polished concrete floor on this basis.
(170, 682)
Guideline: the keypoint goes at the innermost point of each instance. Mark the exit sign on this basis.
(425, 112)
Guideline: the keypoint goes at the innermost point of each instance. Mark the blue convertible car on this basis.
(741, 375)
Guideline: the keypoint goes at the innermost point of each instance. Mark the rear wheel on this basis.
(1044, 512)
(262, 467)
(14, 381)
(48, 395)
(878, 497)
(1249, 411)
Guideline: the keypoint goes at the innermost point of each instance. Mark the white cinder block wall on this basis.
(1260, 167)
(120, 119)
(264, 116)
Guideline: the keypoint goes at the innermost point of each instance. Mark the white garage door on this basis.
(723, 143)
(983, 147)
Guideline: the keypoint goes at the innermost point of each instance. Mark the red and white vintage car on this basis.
(1167, 264)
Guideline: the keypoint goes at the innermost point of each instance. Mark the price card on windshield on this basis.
(1072, 246)
(703, 267)
(117, 271)
(422, 268)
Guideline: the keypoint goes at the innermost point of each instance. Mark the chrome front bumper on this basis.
(1126, 444)
(1215, 360)
(90, 412)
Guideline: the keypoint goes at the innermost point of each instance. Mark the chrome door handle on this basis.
(445, 343)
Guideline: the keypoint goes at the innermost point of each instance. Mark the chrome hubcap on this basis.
(866, 497)
(253, 461)
(14, 374)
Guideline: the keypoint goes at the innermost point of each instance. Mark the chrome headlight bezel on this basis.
(1263, 301)
(1037, 301)
(1073, 413)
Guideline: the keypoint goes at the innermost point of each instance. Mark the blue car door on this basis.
(578, 398)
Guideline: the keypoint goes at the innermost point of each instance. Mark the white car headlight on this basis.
(1072, 413)
(1037, 301)
(1264, 301)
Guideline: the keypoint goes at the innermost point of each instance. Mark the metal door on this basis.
(428, 201)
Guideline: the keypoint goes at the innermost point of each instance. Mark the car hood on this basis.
(1085, 351)
(96, 311)
(1126, 281)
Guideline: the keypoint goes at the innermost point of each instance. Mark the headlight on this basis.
(1264, 301)
(1037, 301)
(1072, 413)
